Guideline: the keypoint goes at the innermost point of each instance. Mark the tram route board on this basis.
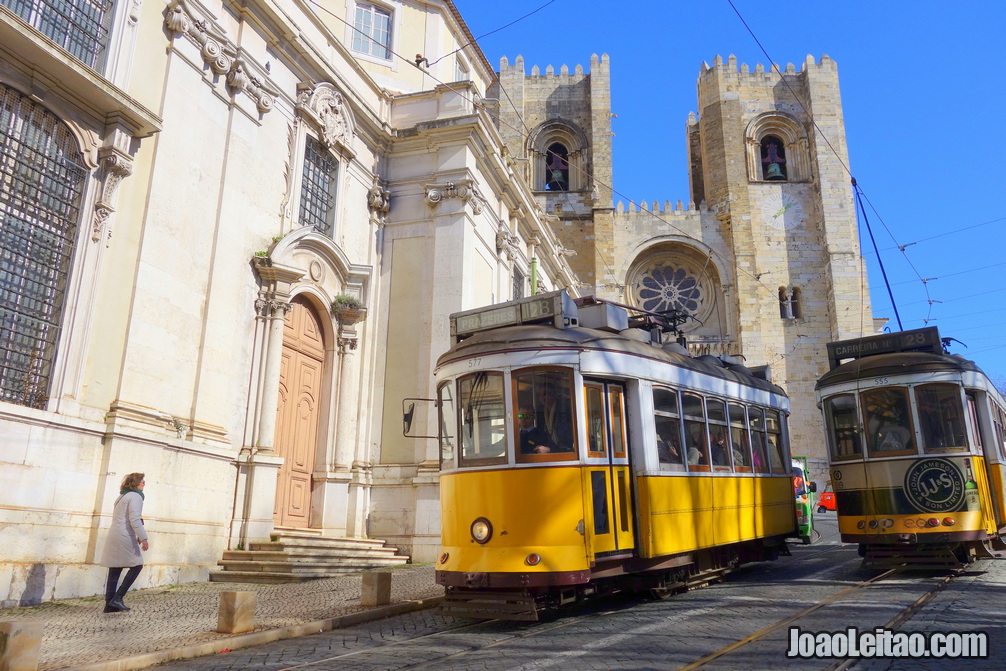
(917, 340)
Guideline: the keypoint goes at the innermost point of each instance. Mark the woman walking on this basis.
(125, 538)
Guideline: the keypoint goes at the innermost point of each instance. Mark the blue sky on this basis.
(924, 104)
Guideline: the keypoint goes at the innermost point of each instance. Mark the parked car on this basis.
(826, 499)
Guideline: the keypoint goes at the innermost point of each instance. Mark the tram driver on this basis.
(533, 438)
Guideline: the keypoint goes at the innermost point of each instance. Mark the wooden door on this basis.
(297, 414)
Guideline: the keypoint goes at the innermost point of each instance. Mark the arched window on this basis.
(557, 167)
(777, 149)
(42, 180)
(559, 157)
(773, 159)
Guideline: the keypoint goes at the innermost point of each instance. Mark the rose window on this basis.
(664, 288)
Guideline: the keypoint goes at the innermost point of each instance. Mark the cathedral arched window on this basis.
(557, 167)
(42, 182)
(773, 159)
(777, 149)
(559, 152)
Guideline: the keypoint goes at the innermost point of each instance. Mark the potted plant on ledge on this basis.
(348, 309)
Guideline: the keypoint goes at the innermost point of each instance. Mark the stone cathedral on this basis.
(762, 254)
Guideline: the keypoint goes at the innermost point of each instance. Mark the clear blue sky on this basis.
(925, 117)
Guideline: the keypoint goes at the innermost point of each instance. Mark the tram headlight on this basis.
(873, 524)
(533, 559)
(949, 521)
(482, 530)
(861, 524)
(933, 522)
(443, 557)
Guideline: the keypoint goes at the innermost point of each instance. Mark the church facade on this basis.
(231, 237)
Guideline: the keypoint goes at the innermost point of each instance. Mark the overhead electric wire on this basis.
(475, 40)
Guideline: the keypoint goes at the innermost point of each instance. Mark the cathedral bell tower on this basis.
(767, 153)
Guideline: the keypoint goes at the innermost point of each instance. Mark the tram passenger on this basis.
(720, 454)
(533, 438)
(667, 451)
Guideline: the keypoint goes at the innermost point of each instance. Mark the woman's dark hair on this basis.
(132, 481)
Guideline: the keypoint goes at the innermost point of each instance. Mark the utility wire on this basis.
(475, 40)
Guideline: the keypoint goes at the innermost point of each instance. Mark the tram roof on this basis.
(897, 363)
(541, 336)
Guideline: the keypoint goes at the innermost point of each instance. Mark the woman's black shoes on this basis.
(115, 606)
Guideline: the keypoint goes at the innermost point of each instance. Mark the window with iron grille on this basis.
(81, 27)
(42, 181)
(518, 284)
(317, 190)
(372, 30)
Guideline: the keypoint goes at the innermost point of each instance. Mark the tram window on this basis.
(448, 425)
(843, 431)
(596, 441)
(773, 442)
(483, 419)
(941, 417)
(668, 427)
(599, 498)
(696, 447)
(999, 421)
(759, 455)
(617, 422)
(718, 430)
(973, 423)
(887, 421)
(739, 438)
(544, 402)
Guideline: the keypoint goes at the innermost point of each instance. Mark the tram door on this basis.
(609, 481)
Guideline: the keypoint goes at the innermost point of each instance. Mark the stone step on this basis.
(346, 566)
(334, 543)
(311, 557)
(311, 550)
(297, 555)
(270, 578)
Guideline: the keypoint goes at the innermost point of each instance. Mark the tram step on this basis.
(516, 605)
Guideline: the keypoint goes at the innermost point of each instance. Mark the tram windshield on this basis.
(941, 417)
(483, 419)
(448, 424)
(843, 429)
(543, 401)
(887, 421)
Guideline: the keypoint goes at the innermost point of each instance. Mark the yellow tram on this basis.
(916, 449)
(580, 454)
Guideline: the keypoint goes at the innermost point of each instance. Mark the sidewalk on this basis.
(179, 621)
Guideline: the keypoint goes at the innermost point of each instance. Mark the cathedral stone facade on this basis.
(761, 258)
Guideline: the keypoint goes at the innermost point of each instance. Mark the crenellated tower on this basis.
(767, 152)
(557, 127)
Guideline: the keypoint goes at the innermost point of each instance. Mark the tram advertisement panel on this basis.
(927, 486)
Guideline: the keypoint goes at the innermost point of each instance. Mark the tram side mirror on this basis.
(813, 487)
(414, 425)
(407, 416)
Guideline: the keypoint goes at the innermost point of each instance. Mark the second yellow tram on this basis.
(917, 449)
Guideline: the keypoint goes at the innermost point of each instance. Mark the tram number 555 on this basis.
(881, 382)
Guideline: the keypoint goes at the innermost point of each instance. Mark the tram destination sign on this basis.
(556, 307)
(917, 340)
